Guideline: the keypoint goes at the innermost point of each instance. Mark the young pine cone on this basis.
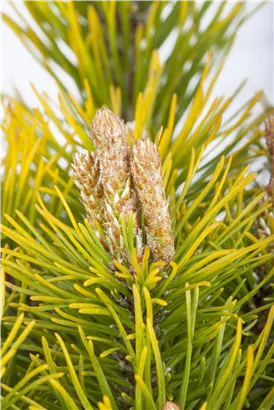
(169, 405)
(147, 177)
(87, 179)
(109, 137)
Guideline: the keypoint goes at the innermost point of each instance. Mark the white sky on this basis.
(251, 57)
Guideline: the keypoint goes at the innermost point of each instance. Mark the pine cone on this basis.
(109, 137)
(147, 177)
(169, 405)
(86, 177)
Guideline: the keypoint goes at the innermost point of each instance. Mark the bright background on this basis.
(251, 58)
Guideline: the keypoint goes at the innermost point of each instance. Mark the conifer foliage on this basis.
(137, 246)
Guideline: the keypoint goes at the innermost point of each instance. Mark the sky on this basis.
(251, 58)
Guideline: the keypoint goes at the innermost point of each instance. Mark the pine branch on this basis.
(92, 317)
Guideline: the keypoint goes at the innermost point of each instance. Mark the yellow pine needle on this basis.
(150, 23)
(166, 138)
(199, 285)
(145, 391)
(63, 393)
(271, 223)
(5, 255)
(122, 275)
(142, 361)
(146, 255)
(108, 352)
(138, 117)
(138, 52)
(89, 102)
(82, 291)
(190, 174)
(115, 98)
(159, 302)
(153, 273)
(221, 382)
(171, 184)
(12, 334)
(159, 136)
(247, 378)
(195, 245)
(121, 267)
(166, 283)
(73, 375)
(12, 351)
(82, 112)
(106, 404)
(183, 13)
(220, 23)
(78, 45)
(265, 334)
(268, 400)
(72, 120)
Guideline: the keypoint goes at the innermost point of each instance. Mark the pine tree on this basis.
(137, 248)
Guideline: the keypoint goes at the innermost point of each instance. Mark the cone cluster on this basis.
(115, 185)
